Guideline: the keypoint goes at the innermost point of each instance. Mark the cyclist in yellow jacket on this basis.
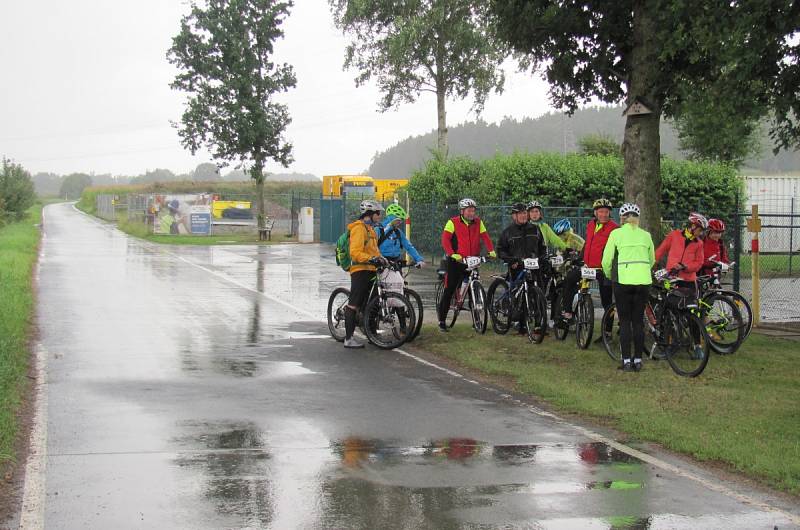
(364, 255)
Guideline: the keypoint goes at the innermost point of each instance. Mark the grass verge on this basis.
(139, 230)
(742, 411)
(18, 251)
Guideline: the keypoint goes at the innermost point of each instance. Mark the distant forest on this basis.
(553, 132)
(53, 185)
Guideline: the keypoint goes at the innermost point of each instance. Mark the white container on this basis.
(305, 231)
(778, 195)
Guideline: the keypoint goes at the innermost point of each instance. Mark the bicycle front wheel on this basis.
(499, 302)
(336, 304)
(477, 307)
(536, 314)
(724, 323)
(584, 321)
(416, 303)
(686, 343)
(743, 305)
(389, 320)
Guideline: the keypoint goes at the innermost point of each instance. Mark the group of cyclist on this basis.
(623, 256)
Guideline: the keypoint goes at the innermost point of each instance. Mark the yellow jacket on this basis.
(363, 246)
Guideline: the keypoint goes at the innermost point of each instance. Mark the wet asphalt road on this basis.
(186, 392)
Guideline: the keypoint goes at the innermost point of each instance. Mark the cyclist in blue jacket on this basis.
(392, 237)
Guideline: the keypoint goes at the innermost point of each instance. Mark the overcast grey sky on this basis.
(85, 88)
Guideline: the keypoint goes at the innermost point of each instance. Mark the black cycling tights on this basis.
(631, 301)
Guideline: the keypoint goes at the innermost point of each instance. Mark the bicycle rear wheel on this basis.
(477, 307)
(584, 321)
(686, 343)
(389, 320)
(451, 314)
(724, 323)
(499, 303)
(416, 302)
(560, 326)
(336, 304)
(535, 314)
(609, 329)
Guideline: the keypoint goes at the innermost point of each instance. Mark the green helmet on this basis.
(396, 210)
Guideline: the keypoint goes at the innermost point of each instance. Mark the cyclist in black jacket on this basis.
(520, 239)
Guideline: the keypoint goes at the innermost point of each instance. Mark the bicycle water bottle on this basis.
(650, 315)
(575, 302)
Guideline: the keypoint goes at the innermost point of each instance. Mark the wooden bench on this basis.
(265, 234)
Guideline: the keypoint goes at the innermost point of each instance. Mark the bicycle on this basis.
(674, 328)
(384, 319)
(583, 309)
(523, 297)
(554, 292)
(470, 290)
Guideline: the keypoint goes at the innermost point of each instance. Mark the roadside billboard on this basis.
(181, 214)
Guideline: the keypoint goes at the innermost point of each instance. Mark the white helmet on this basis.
(629, 208)
(369, 207)
(466, 203)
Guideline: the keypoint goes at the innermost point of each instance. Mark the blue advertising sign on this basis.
(200, 220)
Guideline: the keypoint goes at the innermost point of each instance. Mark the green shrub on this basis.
(16, 191)
(572, 180)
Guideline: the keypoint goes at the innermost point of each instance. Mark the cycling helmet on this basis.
(601, 203)
(535, 204)
(396, 210)
(716, 225)
(629, 208)
(562, 226)
(466, 203)
(173, 204)
(697, 219)
(518, 207)
(369, 207)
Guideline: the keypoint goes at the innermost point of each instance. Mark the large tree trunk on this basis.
(641, 146)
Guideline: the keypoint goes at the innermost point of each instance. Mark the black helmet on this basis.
(518, 207)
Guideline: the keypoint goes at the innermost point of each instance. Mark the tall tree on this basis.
(225, 56)
(650, 51)
(206, 172)
(415, 46)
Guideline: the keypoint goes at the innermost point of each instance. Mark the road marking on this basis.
(652, 460)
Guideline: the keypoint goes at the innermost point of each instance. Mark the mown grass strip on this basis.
(18, 251)
(742, 411)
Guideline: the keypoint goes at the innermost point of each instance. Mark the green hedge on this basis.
(572, 180)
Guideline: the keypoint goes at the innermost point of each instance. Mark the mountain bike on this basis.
(554, 292)
(413, 297)
(673, 326)
(583, 308)
(387, 319)
(521, 300)
(470, 291)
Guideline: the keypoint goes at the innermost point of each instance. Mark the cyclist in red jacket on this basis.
(597, 232)
(462, 237)
(714, 248)
(684, 248)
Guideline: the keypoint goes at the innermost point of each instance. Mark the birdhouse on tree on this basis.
(637, 108)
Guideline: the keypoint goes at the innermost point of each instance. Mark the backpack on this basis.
(385, 235)
(343, 251)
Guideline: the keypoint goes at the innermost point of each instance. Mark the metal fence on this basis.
(779, 262)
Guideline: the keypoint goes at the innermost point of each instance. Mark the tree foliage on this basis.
(413, 46)
(72, 186)
(598, 144)
(206, 172)
(224, 54)
(16, 191)
(655, 51)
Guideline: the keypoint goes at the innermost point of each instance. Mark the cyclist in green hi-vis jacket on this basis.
(550, 238)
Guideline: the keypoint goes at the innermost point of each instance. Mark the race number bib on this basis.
(588, 273)
(531, 263)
